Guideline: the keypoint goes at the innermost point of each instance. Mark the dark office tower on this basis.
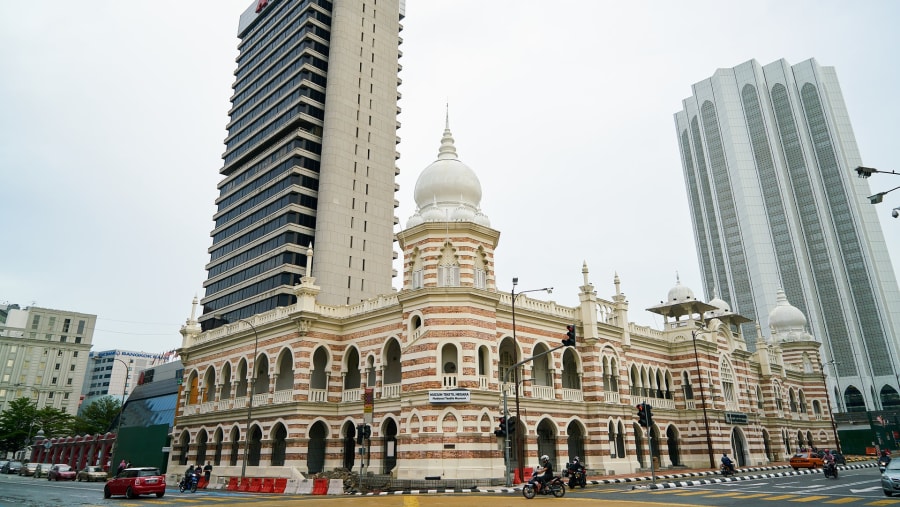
(769, 154)
(310, 157)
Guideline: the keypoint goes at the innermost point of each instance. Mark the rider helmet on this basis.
(545, 458)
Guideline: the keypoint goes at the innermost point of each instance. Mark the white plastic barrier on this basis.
(304, 487)
(336, 487)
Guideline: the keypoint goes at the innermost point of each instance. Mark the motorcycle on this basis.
(554, 486)
(576, 474)
(727, 470)
(830, 470)
(189, 485)
(883, 462)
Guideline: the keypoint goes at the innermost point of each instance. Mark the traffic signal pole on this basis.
(506, 405)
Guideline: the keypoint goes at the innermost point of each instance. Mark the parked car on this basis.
(805, 459)
(42, 470)
(3, 463)
(61, 472)
(137, 481)
(91, 474)
(11, 467)
(28, 469)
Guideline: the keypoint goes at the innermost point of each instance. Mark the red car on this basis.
(134, 482)
(61, 473)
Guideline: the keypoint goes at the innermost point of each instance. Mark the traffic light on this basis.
(501, 431)
(367, 432)
(359, 434)
(511, 424)
(648, 413)
(569, 341)
(641, 414)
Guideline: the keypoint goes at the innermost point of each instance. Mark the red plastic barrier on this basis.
(255, 484)
(268, 486)
(528, 472)
(245, 483)
(320, 487)
(280, 485)
(202, 484)
(232, 484)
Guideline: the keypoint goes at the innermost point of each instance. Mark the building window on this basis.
(66, 325)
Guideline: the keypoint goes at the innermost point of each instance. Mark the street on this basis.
(856, 486)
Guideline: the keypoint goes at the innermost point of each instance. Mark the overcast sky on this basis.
(112, 120)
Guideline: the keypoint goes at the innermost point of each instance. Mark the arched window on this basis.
(727, 375)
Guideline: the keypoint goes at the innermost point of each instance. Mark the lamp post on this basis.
(249, 398)
(865, 172)
(709, 446)
(122, 408)
(837, 440)
(837, 382)
(520, 443)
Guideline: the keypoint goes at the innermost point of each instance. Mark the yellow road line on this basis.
(778, 497)
(846, 499)
(812, 498)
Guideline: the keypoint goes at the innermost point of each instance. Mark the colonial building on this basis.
(282, 392)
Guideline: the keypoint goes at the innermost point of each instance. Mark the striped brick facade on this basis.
(315, 361)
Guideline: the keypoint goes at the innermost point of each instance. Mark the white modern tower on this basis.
(769, 154)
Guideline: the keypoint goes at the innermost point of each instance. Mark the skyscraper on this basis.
(309, 156)
(768, 154)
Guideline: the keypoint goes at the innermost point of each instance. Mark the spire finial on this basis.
(448, 148)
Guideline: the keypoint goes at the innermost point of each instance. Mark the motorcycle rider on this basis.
(573, 468)
(828, 458)
(188, 476)
(544, 472)
(727, 463)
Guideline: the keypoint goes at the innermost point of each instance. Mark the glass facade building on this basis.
(768, 155)
(310, 157)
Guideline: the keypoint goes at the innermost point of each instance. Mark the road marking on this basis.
(723, 495)
(846, 499)
(865, 490)
(812, 498)
(745, 496)
(778, 497)
(884, 502)
(691, 493)
(411, 501)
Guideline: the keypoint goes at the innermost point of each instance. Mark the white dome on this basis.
(785, 317)
(414, 220)
(722, 307)
(448, 189)
(680, 293)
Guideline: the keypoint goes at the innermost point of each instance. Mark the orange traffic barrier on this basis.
(232, 484)
(280, 485)
(320, 487)
(528, 471)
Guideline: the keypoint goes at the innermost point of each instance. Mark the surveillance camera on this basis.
(895, 212)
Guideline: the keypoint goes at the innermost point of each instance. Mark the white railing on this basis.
(190, 409)
(207, 406)
(510, 389)
(572, 394)
(240, 402)
(284, 396)
(351, 395)
(318, 395)
(483, 382)
(663, 403)
(449, 380)
(390, 390)
(226, 404)
(818, 417)
(611, 396)
(542, 392)
(690, 404)
(260, 399)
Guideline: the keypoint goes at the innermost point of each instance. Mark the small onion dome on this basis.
(680, 293)
(786, 317)
(722, 307)
(414, 220)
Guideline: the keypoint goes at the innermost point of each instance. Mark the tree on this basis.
(97, 417)
(17, 423)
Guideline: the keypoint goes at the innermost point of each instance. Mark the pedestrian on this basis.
(122, 466)
(207, 471)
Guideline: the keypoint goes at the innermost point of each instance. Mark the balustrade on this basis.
(483, 382)
(390, 391)
(542, 392)
(572, 394)
(318, 395)
(284, 396)
(351, 395)
(611, 397)
(450, 381)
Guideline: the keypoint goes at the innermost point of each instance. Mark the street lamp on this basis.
(520, 443)
(122, 408)
(709, 446)
(837, 440)
(249, 398)
(837, 382)
(865, 172)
